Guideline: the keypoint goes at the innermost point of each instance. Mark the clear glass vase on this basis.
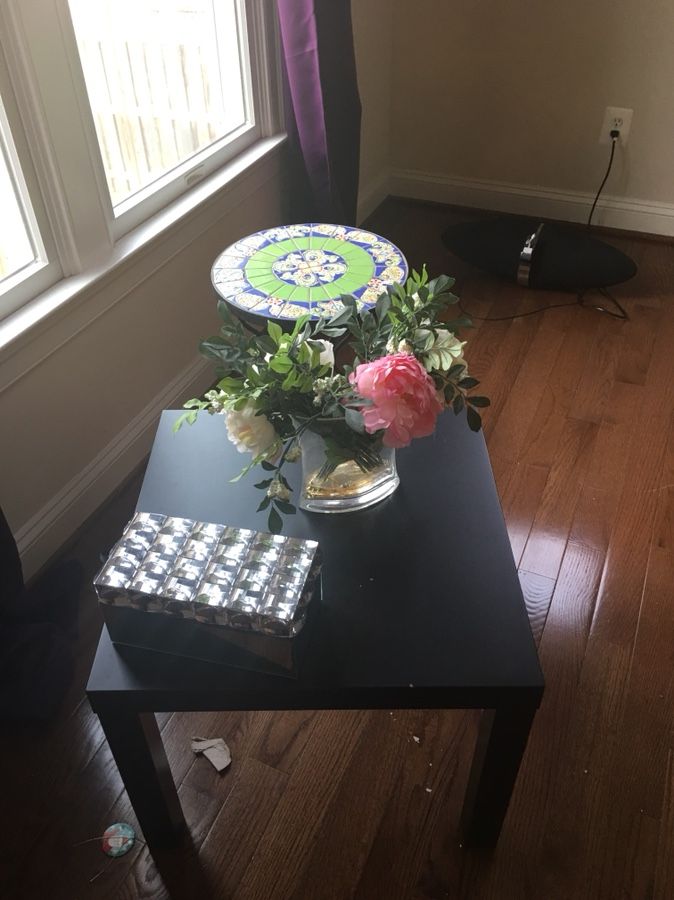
(347, 486)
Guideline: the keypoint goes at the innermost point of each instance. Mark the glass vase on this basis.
(347, 486)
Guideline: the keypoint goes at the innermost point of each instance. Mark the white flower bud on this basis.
(294, 453)
(327, 357)
(278, 490)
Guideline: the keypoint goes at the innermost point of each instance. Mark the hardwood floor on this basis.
(349, 804)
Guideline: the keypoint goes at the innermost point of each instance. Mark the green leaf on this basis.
(424, 339)
(275, 331)
(264, 504)
(354, 419)
(332, 332)
(474, 420)
(286, 507)
(432, 360)
(456, 369)
(189, 417)
(468, 382)
(280, 364)
(479, 401)
(267, 466)
(341, 318)
(349, 301)
(299, 325)
(289, 381)
(263, 484)
(445, 357)
(458, 404)
(230, 385)
(441, 285)
(274, 522)
(383, 305)
(265, 343)
(304, 354)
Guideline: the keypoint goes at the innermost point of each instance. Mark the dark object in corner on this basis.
(36, 651)
(563, 258)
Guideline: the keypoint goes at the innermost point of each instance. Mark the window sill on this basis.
(66, 308)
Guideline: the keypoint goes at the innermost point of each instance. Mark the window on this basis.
(166, 79)
(125, 105)
(28, 262)
(18, 238)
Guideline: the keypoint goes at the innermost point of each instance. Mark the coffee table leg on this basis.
(137, 747)
(498, 753)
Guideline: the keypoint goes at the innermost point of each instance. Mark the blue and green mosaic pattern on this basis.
(285, 272)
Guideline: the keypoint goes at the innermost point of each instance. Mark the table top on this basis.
(421, 603)
(293, 270)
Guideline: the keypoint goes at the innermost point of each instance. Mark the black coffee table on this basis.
(421, 609)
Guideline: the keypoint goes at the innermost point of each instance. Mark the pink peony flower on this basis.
(403, 395)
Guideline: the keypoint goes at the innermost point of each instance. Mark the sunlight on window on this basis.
(164, 79)
(16, 250)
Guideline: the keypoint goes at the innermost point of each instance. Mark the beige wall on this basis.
(515, 92)
(63, 416)
(373, 38)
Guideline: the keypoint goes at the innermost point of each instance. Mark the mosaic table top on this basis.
(292, 270)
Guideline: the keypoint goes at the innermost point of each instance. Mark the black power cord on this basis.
(531, 312)
(615, 134)
(619, 312)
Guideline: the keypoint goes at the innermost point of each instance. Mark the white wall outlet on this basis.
(618, 119)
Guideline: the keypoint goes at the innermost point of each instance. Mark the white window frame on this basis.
(59, 152)
(45, 269)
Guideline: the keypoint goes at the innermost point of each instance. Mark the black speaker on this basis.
(539, 255)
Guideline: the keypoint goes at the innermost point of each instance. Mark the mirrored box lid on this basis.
(202, 578)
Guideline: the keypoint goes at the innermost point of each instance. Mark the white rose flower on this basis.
(251, 433)
(327, 357)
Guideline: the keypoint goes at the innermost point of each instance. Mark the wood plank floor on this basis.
(365, 804)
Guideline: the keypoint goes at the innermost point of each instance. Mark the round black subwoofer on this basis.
(563, 259)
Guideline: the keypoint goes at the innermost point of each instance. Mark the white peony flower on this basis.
(327, 357)
(251, 433)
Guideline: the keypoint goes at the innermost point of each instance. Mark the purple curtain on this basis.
(322, 109)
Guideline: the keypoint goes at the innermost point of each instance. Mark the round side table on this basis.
(293, 270)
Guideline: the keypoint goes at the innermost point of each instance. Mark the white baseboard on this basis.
(49, 529)
(371, 194)
(646, 216)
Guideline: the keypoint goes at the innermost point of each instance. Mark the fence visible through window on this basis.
(165, 79)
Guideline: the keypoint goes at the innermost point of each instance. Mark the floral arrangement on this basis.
(406, 365)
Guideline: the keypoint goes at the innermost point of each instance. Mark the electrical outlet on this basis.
(616, 119)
